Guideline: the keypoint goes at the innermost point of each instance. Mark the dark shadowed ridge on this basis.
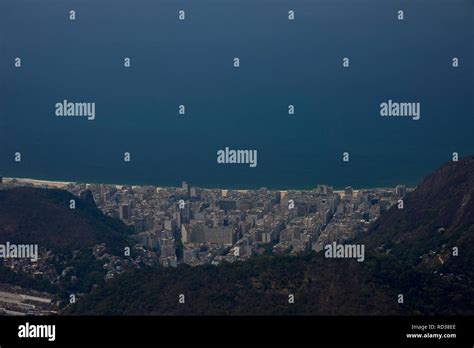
(437, 217)
(43, 216)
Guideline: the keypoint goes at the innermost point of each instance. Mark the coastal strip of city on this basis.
(196, 226)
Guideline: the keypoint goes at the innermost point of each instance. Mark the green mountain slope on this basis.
(43, 217)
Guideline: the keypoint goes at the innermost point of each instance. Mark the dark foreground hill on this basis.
(435, 224)
(44, 217)
(409, 252)
(255, 287)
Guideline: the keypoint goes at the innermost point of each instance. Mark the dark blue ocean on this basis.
(190, 62)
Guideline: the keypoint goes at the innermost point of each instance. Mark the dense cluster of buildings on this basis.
(198, 226)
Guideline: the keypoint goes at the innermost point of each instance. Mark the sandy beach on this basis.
(35, 182)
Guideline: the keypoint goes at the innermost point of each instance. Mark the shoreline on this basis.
(64, 184)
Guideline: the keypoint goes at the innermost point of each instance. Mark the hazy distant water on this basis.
(190, 63)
